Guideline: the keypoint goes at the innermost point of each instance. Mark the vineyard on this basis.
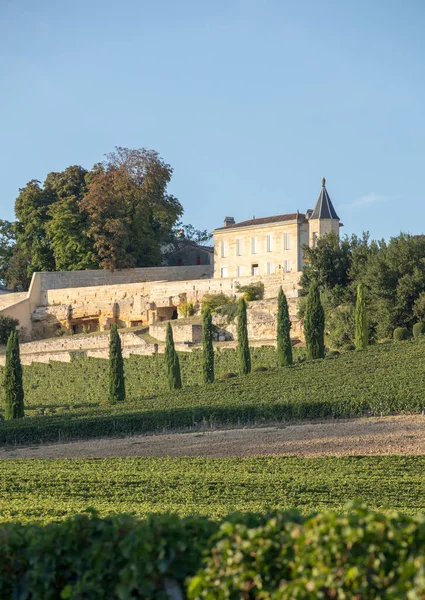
(46, 490)
(385, 379)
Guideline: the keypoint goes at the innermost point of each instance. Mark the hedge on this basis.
(362, 554)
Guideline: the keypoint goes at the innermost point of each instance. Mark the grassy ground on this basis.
(47, 490)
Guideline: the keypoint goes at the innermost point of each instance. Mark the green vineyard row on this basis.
(46, 490)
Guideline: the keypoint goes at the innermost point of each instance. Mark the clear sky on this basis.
(252, 102)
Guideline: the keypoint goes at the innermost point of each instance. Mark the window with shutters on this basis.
(286, 241)
(270, 268)
(223, 272)
(223, 249)
(254, 244)
(239, 271)
(254, 270)
(269, 243)
(286, 266)
(238, 247)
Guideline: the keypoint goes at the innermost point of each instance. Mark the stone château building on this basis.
(269, 245)
(267, 250)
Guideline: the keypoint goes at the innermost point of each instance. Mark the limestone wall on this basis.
(90, 278)
(181, 333)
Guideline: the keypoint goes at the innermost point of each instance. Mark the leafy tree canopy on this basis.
(393, 276)
(114, 216)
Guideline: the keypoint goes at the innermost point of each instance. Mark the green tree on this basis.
(362, 331)
(116, 368)
(172, 361)
(69, 223)
(7, 325)
(243, 342)
(207, 347)
(130, 212)
(13, 386)
(7, 244)
(32, 210)
(314, 324)
(284, 346)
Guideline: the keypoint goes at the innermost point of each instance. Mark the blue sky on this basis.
(252, 102)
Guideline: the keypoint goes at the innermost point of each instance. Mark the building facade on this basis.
(270, 245)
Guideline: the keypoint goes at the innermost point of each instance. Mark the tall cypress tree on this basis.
(314, 324)
(362, 333)
(284, 346)
(243, 343)
(116, 368)
(172, 361)
(207, 346)
(13, 386)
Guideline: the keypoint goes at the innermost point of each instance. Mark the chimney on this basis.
(229, 221)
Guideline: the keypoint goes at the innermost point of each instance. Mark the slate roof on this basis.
(324, 208)
(265, 221)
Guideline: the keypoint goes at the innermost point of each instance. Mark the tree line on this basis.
(119, 214)
(392, 276)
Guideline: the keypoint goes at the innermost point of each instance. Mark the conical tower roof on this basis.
(324, 208)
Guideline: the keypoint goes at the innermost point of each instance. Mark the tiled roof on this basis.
(265, 221)
(324, 208)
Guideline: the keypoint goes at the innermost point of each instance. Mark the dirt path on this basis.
(386, 435)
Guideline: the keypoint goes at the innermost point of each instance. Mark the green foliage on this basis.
(400, 334)
(7, 325)
(329, 263)
(314, 324)
(418, 329)
(58, 488)
(172, 361)
(361, 325)
(359, 555)
(7, 242)
(117, 215)
(207, 347)
(13, 386)
(116, 368)
(186, 309)
(251, 292)
(284, 346)
(243, 342)
(214, 301)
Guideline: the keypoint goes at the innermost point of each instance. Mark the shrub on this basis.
(213, 301)
(207, 347)
(401, 334)
(418, 329)
(251, 292)
(230, 311)
(116, 367)
(13, 386)
(7, 325)
(243, 343)
(314, 324)
(283, 332)
(186, 309)
(361, 325)
(172, 361)
(230, 375)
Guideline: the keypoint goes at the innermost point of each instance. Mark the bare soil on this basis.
(370, 436)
